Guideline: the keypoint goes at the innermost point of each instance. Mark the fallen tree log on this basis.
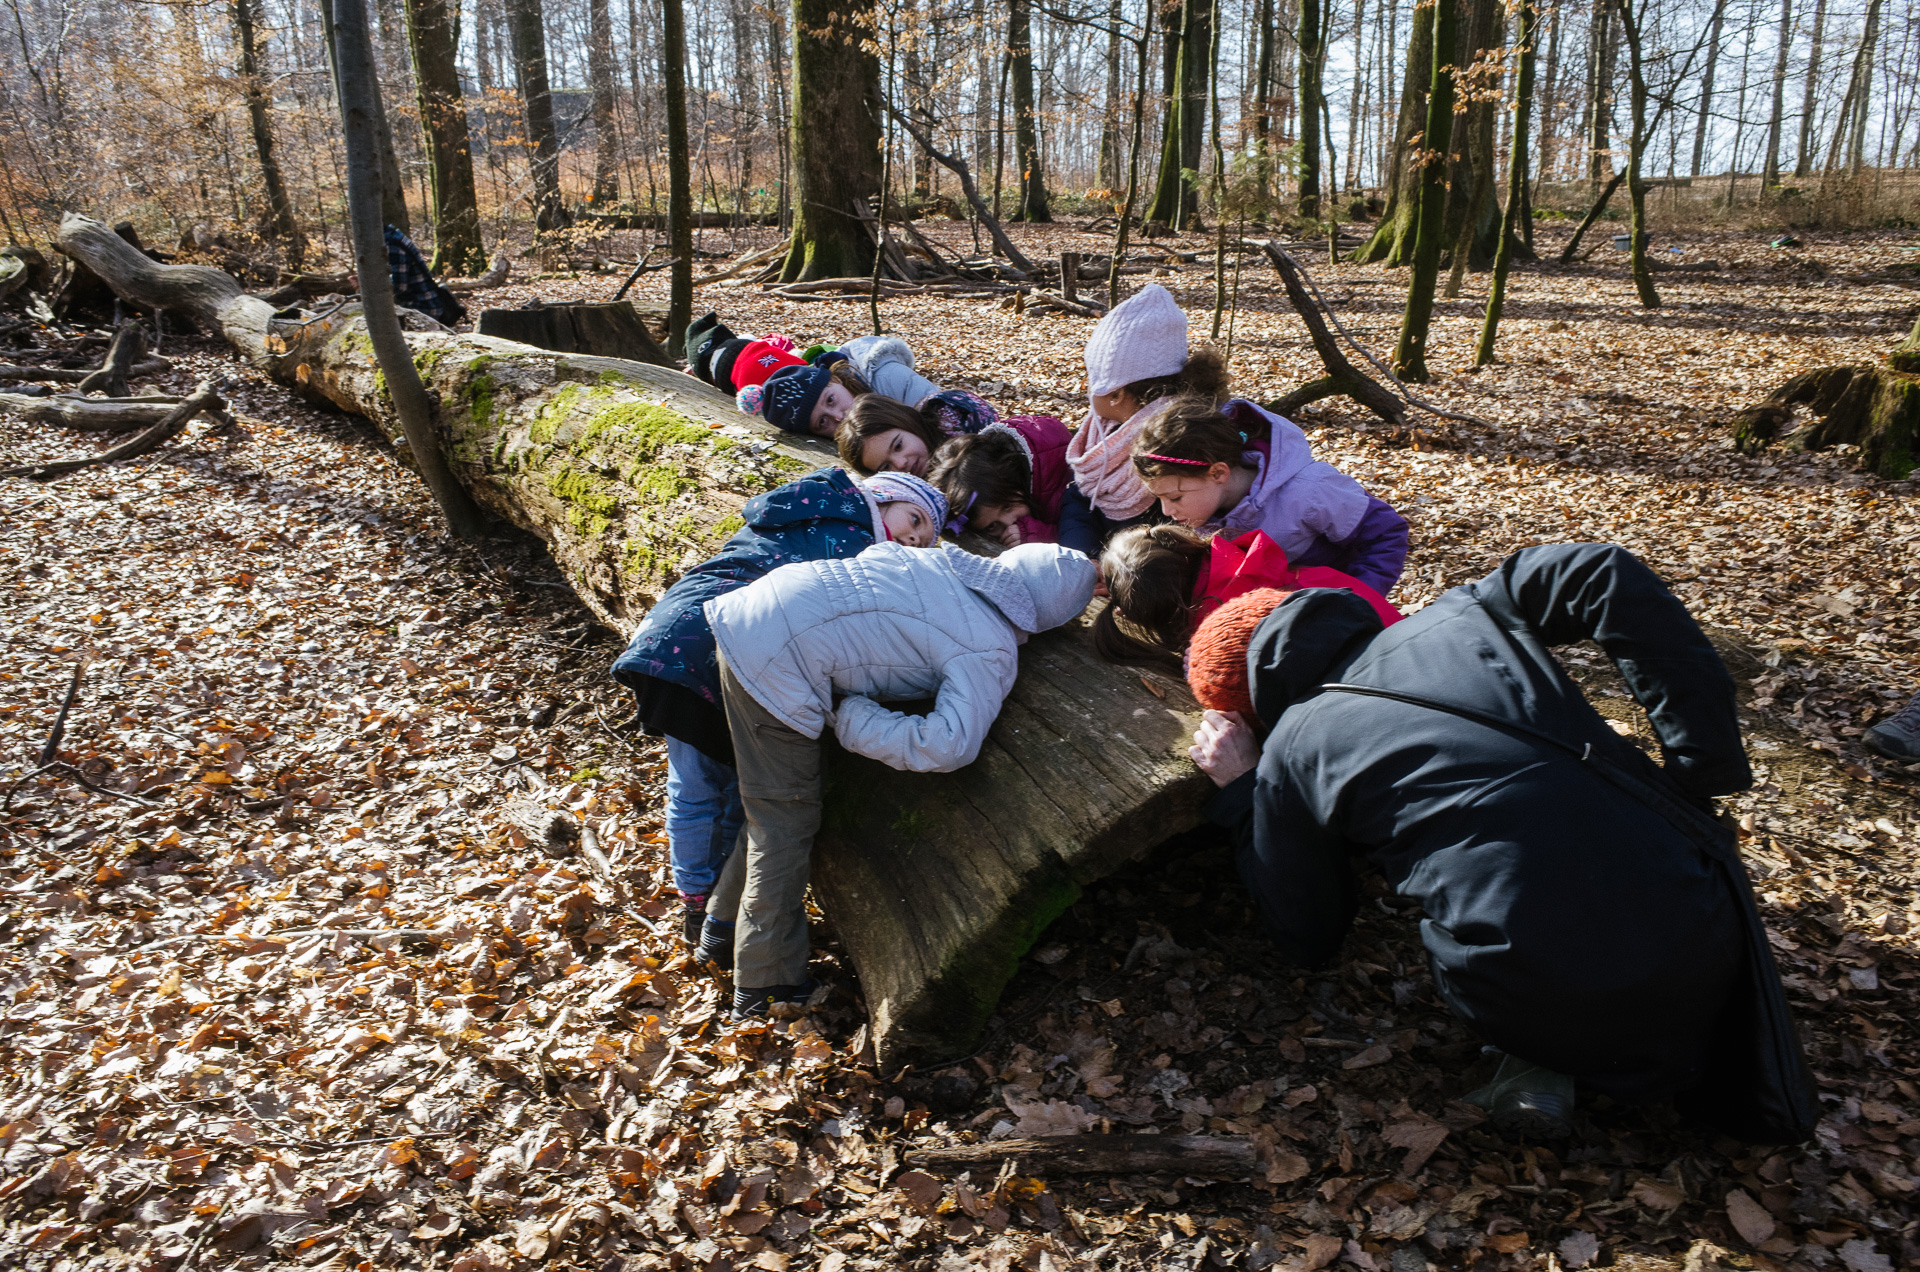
(168, 427)
(937, 883)
(142, 367)
(89, 415)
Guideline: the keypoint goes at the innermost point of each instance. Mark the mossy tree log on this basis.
(1874, 408)
(936, 883)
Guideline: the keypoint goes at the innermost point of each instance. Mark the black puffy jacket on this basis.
(1566, 920)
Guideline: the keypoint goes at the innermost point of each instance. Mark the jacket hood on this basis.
(1289, 450)
(1036, 586)
(1305, 642)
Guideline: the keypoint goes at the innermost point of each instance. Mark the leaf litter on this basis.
(307, 963)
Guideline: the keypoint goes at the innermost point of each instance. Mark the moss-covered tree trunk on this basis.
(1176, 199)
(1392, 241)
(1410, 355)
(433, 35)
(836, 138)
(936, 883)
(1026, 127)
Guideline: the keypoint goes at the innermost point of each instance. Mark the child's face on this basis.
(832, 407)
(998, 521)
(907, 523)
(1118, 406)
(895, 450)
(1192, 501)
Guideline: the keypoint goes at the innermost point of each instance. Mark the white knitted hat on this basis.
(1144, 337)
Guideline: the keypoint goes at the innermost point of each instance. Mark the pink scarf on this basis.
(1101, 456)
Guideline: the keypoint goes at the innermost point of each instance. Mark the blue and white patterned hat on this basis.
(788, 397)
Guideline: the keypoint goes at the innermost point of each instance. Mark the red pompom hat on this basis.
(1217, 658)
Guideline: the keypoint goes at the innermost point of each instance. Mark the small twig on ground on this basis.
(200, 1239)
(6, 805)
(52, 748)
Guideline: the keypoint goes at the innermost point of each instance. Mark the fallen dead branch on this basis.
(203, 398)
(496, 276)
(1203, 1156)
(89, 415)
(148, 365)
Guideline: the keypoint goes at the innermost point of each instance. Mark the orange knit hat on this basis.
(1217, 658)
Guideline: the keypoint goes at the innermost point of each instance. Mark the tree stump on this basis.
(1874, 408)
(602, 330)
(632, 473)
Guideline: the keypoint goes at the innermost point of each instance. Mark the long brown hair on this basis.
(874, 414)
(1151, 573)
(1192, 429)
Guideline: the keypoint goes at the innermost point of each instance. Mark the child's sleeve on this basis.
(947, 738)
(1079, 523)
(887, 364)
(1376, 551)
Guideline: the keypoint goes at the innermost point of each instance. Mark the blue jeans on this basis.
(704, 816)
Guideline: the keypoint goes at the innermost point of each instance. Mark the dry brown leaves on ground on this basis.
(309, 960)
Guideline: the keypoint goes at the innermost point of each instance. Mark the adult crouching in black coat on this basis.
(1583, 911)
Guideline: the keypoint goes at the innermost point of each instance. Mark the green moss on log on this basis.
(591, 502)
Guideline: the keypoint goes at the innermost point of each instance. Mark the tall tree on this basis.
(1638, 136)
(1110, 143)
(1189, 44)
(1516, 180)
(1860, 92)
(284, 224)
(1263, 101)
(1392, 243)
(393, 194)
(359, 94)
(606, 147)
(1410, 355)
(433, 38)
(1803, 160)
(1033, 188)
(527, 20)
(1312, 44)
(673, 64)
(1600, 113)
(836, 138)
(1770, 168)
(1705, 110)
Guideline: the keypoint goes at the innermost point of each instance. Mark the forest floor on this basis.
(300, 978)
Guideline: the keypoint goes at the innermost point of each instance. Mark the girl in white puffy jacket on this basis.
(823, 644)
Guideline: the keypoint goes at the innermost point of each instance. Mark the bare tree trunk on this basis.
(528, 22)
(836, 139)
(1706, 89)
(359, 90)
(433, 37)
(285, 225)
(983, 65)
(1110, 113)
(673, 48)
(1863, 93)
(393, 193)
(1354, 115)
(1600, 137)
(1410, 355)
(746, 97)
(1313, 54)
(1636, 152)
(1549, 95)
(1263, 103)
(1176, 200)
(1770, 168)
(1033, 187)
(1392, 242)
(1516, 181)
(606, 150)
(1803, 160)
(1116, 288)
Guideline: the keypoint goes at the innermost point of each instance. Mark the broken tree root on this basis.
(203, 398)
(89, 415)
(129, 343)
(1874, 408)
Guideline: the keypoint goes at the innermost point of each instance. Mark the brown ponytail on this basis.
(1204, 376)
(1151, 573)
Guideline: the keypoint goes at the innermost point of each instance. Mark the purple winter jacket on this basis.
(1316, 513)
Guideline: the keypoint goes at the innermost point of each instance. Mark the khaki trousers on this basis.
(764, 885)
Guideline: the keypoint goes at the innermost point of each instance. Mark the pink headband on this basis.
(1175, 459)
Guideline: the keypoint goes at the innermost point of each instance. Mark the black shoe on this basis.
(693, 917)
(1898, 736)
(749, 1004)
(716, 943)
(1526, 1101)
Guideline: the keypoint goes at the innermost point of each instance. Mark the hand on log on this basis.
(1206, 1156)
(203, 398)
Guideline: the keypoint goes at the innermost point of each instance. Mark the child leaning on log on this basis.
(822, 645)
(1007, 480)
(1166, 579)
(672, 668)
(881, 435)
(1239, 467)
